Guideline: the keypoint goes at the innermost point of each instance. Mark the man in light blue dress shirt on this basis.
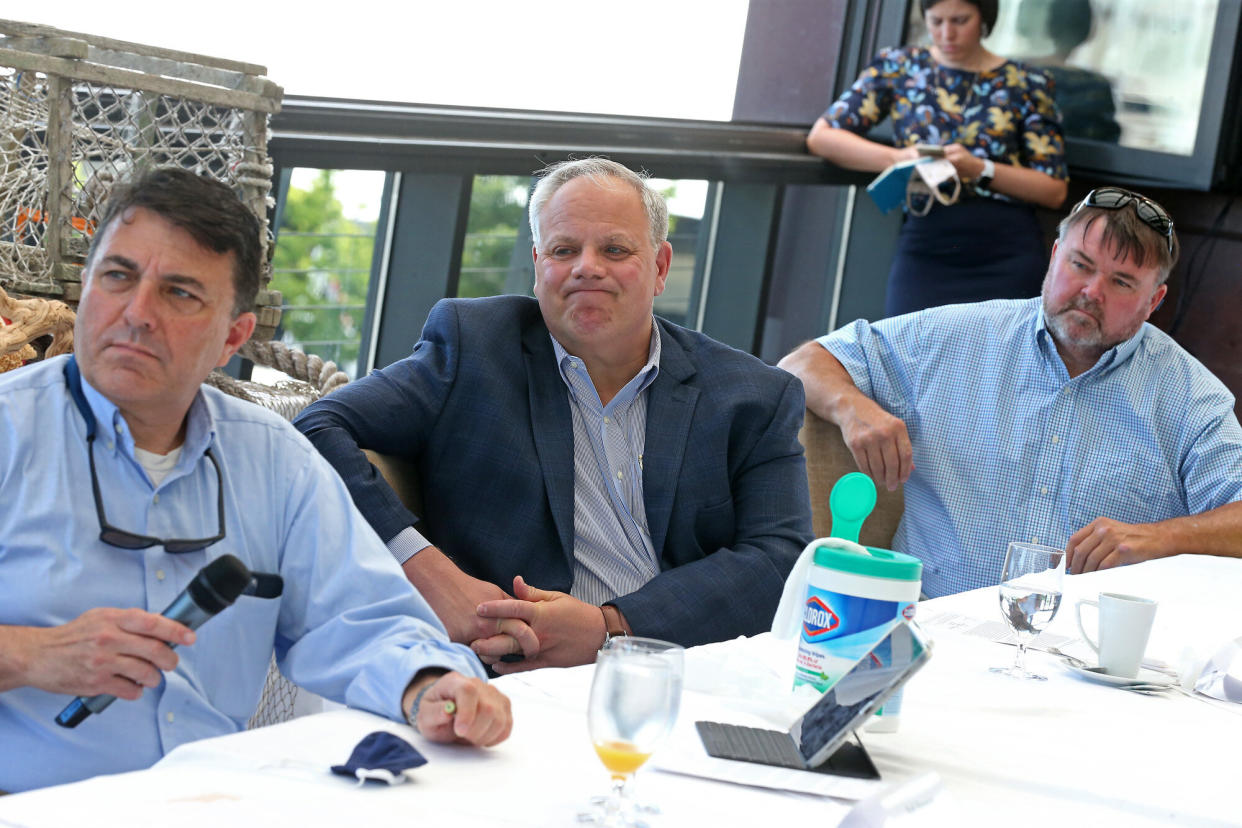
(1065, 420)
(121, 441)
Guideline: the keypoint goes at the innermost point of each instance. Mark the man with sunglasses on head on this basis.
(122, 476)
(1064, 420)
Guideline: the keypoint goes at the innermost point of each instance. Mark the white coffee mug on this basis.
(1124, 625)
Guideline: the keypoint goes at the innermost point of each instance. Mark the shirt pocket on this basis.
(1135, 489)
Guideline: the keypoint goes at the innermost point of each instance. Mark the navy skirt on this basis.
(977, 249)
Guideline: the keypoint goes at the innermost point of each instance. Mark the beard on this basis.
(1078, 324)
(1070, 326)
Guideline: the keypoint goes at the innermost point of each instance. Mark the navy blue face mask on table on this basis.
(383, 757)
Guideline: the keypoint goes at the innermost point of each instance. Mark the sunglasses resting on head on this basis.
(1148, 211)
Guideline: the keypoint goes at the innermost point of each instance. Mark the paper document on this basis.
(996, 631)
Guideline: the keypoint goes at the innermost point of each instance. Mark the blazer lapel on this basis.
(670, 408)
(553, 431)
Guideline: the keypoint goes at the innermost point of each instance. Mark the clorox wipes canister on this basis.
(850, 592)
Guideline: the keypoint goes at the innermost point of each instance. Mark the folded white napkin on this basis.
(787, 622)
(788, 618)
(1222, 675)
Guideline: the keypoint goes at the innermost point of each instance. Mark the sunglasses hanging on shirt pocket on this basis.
(935, 180)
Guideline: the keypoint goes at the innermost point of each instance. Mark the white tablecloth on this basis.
(1060, 752)
(1067, 751)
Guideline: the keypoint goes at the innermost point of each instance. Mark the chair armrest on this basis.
(827, 460)
(402, 475)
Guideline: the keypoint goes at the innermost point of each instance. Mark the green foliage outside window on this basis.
(497, 212)
(321, 266)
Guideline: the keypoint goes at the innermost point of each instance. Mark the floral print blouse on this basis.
(1006, 114)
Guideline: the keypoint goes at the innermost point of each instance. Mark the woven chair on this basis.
(827, 459)
(310, 378)
(402, 476)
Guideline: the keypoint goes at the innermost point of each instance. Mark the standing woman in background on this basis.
(997, 124)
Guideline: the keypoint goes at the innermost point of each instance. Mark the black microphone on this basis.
(214, 588)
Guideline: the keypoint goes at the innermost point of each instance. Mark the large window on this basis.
(495, 256)
(641, 57)
(322, 261)
(1131, 72)
(687, 200)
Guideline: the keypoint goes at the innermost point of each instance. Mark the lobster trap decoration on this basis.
(79, 113)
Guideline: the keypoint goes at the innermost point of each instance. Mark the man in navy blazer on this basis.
(623, 475)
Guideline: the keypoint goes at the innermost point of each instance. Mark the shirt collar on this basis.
(1111, 359)
(112, 432)
(645, 376)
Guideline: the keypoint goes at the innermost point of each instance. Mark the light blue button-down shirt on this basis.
(348, 626)
(1007, 447)
(613, 553)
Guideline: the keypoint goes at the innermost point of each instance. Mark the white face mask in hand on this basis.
(927, 185)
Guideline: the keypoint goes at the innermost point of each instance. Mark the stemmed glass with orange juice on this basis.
(635, 696)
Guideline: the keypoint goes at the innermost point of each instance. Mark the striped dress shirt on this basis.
(613, 553)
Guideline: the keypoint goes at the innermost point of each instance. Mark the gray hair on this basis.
(599, 170)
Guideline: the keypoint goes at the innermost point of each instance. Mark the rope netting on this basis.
(79, 112)
(276, 702)
(110, 132)
(23, 177)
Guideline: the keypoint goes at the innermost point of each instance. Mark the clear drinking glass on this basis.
(635, 696)
(1030, 593)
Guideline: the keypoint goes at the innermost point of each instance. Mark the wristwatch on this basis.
(613, 628)
(984, 181)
